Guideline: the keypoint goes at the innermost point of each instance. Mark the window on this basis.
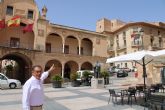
(82, 51)
(125, 42)
(2, 77)
(126, 65)
(9, 10)
(158, 33)
(14, 42)
(48, 47)
(117, 37)
(124, 33)
(30, 14)
(160, 42)
(118, 45)
(152, 40)
(66, 49)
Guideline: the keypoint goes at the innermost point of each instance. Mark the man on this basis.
(33, 95)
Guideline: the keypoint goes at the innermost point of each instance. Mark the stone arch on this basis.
(86, 66)
(22, 70)
(71, 45)
(87, 47)
(54, 43)
(58, 70)
(69, 68)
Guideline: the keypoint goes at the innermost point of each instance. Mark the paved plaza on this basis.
(68, 98)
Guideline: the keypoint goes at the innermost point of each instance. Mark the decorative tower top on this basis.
(44, 12)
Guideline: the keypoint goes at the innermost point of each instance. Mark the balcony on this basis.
(67, 51)
(156, 47)
(136, 44)
(21, 45)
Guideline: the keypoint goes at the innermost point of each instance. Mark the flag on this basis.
(28, 28)
(133, 35)
(2, 24)
(15, 21)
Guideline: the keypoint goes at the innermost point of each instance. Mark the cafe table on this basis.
(157, 99)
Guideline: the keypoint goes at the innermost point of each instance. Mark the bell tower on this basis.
(44, 12)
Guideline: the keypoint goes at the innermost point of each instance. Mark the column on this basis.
(63, 46)
(79, 47)
(79, 66)
(63, 70)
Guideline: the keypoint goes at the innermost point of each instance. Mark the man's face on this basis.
(37, 72)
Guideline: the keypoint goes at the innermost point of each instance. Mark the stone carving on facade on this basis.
(20, 12)
(80, 35)
(98, 41)
(39, 47)
(64, 33)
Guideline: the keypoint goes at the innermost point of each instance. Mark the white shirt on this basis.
(33, 94)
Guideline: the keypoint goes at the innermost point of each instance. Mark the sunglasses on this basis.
(38, 71)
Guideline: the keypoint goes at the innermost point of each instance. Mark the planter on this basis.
(75, 83)
(57, 84)
(86, 83)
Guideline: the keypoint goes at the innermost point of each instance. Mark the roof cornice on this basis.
(77, 29)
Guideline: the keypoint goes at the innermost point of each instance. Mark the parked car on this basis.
(126, 69)
(5, 82)
(122, 73)
(80, 74)
(113, 69)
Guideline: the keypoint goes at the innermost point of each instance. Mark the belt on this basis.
(37, 106)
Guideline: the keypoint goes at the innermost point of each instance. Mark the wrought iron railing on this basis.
(136, 43)
(17, 45)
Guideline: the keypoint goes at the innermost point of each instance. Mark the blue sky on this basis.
(84, 13)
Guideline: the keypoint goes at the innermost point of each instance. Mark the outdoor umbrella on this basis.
(141, 57)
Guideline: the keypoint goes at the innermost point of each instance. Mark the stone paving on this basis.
(68, 98)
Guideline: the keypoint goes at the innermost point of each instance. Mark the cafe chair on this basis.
(113, 96)
(139, 90)
(131, 94)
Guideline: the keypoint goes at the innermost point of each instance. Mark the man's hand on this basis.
(51, 68)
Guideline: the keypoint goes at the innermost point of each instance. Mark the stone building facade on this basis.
(70, 49)
(130, 37)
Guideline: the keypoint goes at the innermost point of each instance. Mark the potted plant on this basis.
(86, 78)
(9, 70)
(74, 81)
(105, 75)
(57, 81)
